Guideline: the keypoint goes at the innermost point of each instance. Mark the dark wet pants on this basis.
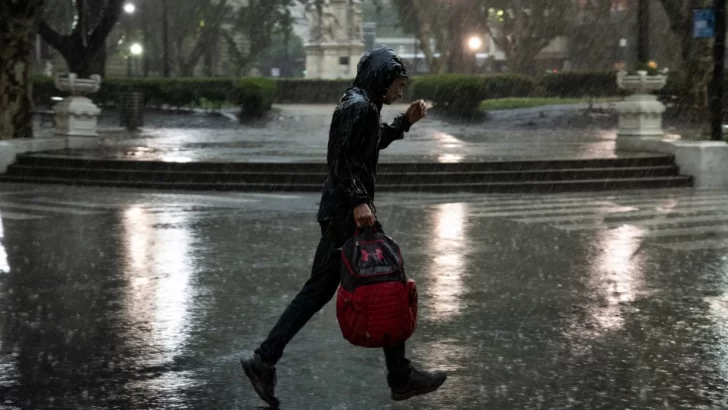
(316, 293)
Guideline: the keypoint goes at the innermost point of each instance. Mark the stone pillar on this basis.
(336, 41)
(640, 115)
(314, 56)
(76, 115)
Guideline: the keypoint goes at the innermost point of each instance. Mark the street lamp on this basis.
(475, 43)
(623, 52)
(136, 49)
(129, 9)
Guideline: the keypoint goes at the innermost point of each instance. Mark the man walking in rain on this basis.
(355, 139)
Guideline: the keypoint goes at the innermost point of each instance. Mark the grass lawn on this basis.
(512, 103)
(208, 105)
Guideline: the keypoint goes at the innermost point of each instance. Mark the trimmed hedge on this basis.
(578, 84)
(451, 93)
(462, 94)
(309, 91)
(300, 91)
(254, 95)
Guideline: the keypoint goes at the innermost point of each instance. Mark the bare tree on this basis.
(428, 22)
(18, 21)
(84, 47)
(213, 16)
(696, 55)
(596, 32)
(252, 28)
(523, 28)
(465, 19)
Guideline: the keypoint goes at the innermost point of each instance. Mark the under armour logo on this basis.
(365, 255)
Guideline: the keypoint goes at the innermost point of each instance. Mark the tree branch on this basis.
(108, 20)
(204, 38)
(242, 60)
(497, 40)
(50, 36)
(82, 15)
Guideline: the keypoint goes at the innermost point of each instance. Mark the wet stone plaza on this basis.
(299, 133)
(131, 299)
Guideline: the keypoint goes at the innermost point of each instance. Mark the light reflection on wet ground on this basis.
(149, 302)
(445, 260)
(299, 133)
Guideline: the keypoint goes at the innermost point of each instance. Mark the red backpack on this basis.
(376, 304)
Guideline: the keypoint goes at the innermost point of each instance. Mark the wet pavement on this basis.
(299, 133)
(141, 300)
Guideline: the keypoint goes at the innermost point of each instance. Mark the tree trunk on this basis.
(17, 35)
(461, 24)
(179, 54)
(697, 58)
(85, 48)
(521, 60)
(85, 63)
(146, 40)
(699, 72)
(598, 37)
(204, 41)
(210, 57)
(424, 18)
(643, 32)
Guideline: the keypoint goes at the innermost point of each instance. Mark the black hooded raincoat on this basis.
(357, 135)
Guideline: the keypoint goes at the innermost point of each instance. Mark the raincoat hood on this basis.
(377, 70)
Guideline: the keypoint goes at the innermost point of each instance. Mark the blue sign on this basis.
(704, 23)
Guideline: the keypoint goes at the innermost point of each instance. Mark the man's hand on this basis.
(417, 111)
(364, 216)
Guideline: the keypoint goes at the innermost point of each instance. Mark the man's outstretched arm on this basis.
(394, 131)
(402, 123)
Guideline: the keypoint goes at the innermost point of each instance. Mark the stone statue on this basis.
(356, 22)
(322, 21)
(329, 23)
(314, 23)
(335, 28)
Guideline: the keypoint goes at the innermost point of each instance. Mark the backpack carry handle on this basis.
(365, 229)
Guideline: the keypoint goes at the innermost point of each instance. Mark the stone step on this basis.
(657, 171)
(492, 187)
(403, 178)
(57, 160)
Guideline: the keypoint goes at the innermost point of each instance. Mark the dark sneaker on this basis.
(418, 383)
(263, 378)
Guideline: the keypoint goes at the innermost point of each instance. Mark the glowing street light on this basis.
(136, 49)
(129, 8)
(475, 43)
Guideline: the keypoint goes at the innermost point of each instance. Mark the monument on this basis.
(76, 115)
(336, 42)
(640, 114)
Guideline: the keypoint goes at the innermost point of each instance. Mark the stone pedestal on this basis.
(640, 115)
(336, 41)
(705, 161)
(77, 115)
(332, 60)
